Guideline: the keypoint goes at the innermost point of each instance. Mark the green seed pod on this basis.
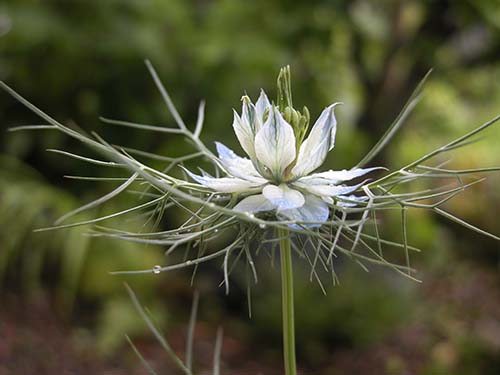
(295, 119)
(307, 115)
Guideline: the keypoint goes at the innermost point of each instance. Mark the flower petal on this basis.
(327, 190)
(314, 210)
(237, 166)
(254, 203)
(321, 139)
(243, 129)
(275, 143)
(261, 106)
(282, 197)
(224, 184)
(334, 177)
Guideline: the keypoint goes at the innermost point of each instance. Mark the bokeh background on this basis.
(60, 310)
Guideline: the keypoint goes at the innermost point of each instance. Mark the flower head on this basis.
(277, 175)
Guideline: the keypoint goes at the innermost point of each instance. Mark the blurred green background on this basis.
(61, 312)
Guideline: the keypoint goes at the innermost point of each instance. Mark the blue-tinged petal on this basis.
(334, 177)
(254, 203)
(225, 184)
(321, 139)
(282, 197)
(275, 143)
(327, 190)
(237, 166)
(314, 211)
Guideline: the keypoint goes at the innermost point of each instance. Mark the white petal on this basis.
(275, 143)
(247, 112)
(282, 197)
(225, 184)
(334, 177)
(244, 133)
(321, 139)
(236, 165)
(261, 105)
(327, 190)
(314, 210)
(254, 203)
(328, 200)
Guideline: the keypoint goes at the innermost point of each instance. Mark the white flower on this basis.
(276, 176)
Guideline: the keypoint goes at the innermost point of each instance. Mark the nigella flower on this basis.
(278, 175)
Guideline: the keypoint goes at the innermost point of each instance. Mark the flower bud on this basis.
(287, 115)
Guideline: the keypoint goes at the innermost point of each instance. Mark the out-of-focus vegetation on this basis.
(79, 60)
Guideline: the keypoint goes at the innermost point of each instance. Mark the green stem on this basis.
(287, 302)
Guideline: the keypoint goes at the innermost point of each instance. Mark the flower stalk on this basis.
(287, 304)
